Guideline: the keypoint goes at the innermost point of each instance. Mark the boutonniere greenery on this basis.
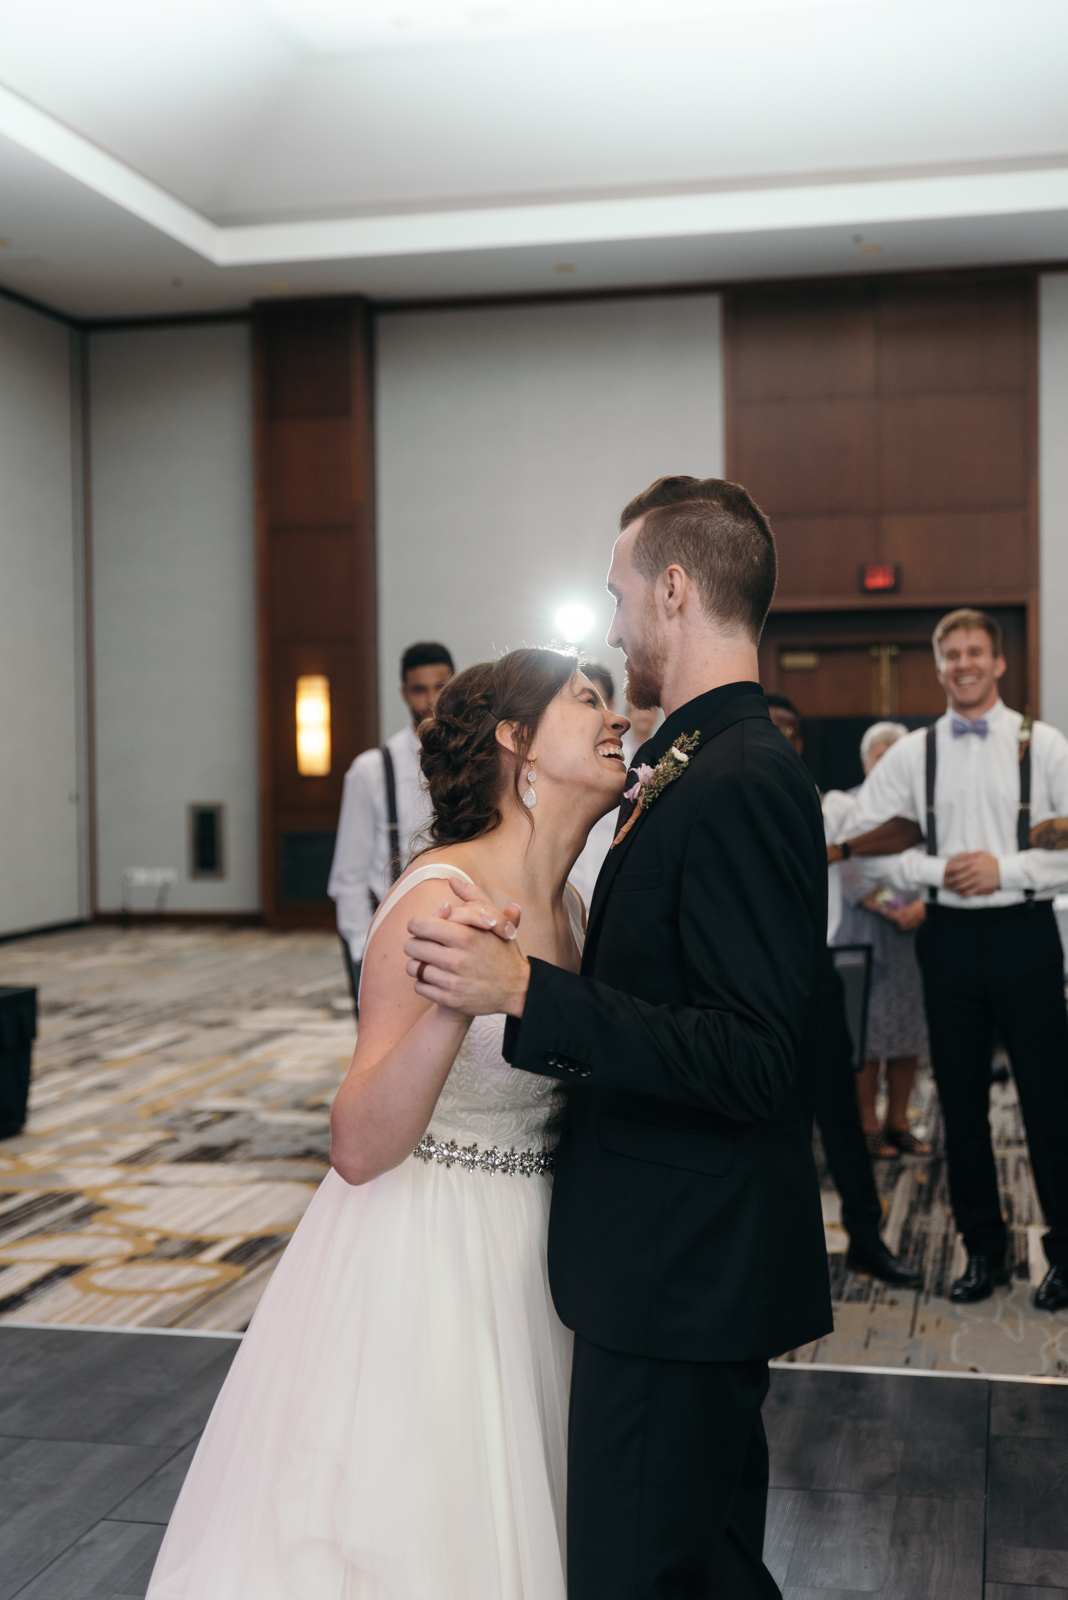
(652, 781)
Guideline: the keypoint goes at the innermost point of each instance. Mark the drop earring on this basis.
(530, 799)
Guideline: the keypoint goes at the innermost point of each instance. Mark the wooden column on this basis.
(315, 582)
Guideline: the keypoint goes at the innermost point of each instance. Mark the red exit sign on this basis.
(880, 577)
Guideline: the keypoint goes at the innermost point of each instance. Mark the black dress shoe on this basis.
(877, 1260)
(983, 1275)
(1052, 1292)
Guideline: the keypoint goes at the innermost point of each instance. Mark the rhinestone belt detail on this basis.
(513, 1163)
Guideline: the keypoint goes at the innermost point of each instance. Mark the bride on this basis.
(394, 1424)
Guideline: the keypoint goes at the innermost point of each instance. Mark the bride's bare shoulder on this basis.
(384, 978)
(418, 892)
(446, 855)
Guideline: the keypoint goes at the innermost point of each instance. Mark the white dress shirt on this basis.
(977, 796)
(361, 852)
(584, 873)
(837, 810)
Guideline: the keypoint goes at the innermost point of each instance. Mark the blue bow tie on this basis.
(960, 728)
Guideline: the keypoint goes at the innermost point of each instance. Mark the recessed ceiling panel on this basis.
(222, 117)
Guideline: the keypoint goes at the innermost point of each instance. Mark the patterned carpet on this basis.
(881, 1327)
(179, 1125)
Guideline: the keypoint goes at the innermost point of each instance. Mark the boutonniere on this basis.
(652, 781)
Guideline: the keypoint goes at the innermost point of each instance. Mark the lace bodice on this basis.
(485, 1101)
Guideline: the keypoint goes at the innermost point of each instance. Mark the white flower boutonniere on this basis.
(652, 781)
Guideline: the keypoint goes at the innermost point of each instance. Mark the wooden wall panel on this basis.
(809, 455)
(952, 452)
(310, 469)
(300, 610)
(316, 581)
(892, 420)
(989, 546)
(822, 552)
(827, 352)
(941, 336)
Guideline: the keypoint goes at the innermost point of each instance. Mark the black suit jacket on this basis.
(686, 1220)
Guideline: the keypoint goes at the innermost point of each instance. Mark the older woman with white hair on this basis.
(886, 919)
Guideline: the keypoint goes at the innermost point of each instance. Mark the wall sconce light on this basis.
(313, 726)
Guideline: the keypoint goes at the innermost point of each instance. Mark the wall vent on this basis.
(207, 854)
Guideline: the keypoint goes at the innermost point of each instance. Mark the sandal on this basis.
(906, 1142)
(879, 1146)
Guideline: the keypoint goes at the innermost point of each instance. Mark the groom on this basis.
(685, 1240)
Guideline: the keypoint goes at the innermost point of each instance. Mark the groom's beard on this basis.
(645, 676)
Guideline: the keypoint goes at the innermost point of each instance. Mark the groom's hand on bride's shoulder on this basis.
(455, 966)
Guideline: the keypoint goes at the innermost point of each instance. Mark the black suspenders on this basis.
(391, 813)
(394, 828)
(932, 767)
(1023, 812)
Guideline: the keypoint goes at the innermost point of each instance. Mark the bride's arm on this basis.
(403, 1054)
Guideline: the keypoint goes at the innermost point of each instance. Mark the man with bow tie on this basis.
(989, 948)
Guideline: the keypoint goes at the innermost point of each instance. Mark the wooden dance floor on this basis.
(907, 1488)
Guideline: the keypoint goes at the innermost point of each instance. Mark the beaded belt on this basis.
(513, 1163)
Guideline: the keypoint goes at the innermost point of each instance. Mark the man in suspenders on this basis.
(835, 1098)
(384, 808)
(989, 949)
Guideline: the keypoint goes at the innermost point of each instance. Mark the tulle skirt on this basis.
(394, 1425)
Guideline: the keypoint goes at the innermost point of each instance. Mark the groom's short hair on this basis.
(715, 531)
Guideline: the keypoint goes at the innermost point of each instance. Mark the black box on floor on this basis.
(18, 1030)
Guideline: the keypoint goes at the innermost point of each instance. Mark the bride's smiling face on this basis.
(579, 745)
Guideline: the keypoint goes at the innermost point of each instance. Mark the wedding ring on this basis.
(419, 972)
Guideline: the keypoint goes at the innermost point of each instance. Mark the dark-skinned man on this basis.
(384, 808)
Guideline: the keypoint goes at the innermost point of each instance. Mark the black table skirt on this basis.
(18, 1029)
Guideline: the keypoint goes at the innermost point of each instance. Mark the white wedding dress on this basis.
(394, 1426)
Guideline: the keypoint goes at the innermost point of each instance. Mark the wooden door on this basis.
(845, 670)
(890, 678)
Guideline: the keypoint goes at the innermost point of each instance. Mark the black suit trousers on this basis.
(838, 1115)
(667, 1479)
(1001, 968)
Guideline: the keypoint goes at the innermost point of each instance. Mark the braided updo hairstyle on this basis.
(466, 770)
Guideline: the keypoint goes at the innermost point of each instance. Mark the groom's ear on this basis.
(676, 586)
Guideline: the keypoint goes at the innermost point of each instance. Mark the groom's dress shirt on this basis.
(977, 796)
(360, 866)
(686, 1221)
(583, 874)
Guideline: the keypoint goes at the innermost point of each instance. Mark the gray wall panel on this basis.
(508, 441)
(174, 604)
(42, 801)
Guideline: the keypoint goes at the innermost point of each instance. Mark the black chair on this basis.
(18, 1029)
(853, 965)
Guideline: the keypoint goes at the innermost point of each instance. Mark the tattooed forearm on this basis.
(1050, 835)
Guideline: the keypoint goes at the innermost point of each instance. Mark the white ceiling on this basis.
(157, 159)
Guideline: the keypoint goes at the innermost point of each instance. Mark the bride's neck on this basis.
(531, 865)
